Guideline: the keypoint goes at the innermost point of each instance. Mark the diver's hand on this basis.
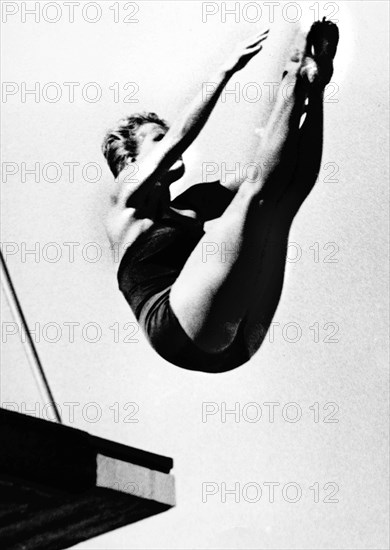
(244, 52)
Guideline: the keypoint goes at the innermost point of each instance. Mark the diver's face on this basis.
(148, 135)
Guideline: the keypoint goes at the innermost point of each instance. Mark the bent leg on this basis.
(213, 292)
(322, 39)
(270, 281)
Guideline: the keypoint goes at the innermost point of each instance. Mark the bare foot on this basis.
(312, 55)
(322, 42)
(301, 62)
(309, 69)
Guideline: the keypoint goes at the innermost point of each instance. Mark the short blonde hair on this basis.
(120, 144)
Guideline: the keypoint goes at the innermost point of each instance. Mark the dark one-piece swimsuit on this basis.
(152, 263)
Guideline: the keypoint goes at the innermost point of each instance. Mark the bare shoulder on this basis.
(123, 226)
(122, 221)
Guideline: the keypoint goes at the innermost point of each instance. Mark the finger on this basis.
(254, 50)
(260, 33)
(256, 43)
(257, 39)
(263, 31)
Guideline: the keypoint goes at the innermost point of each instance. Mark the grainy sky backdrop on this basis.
(324, 363)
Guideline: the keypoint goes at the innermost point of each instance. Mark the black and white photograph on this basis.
(194, 275)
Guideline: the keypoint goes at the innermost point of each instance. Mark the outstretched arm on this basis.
(186, 128)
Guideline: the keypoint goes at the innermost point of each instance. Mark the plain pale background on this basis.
(169, 53)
